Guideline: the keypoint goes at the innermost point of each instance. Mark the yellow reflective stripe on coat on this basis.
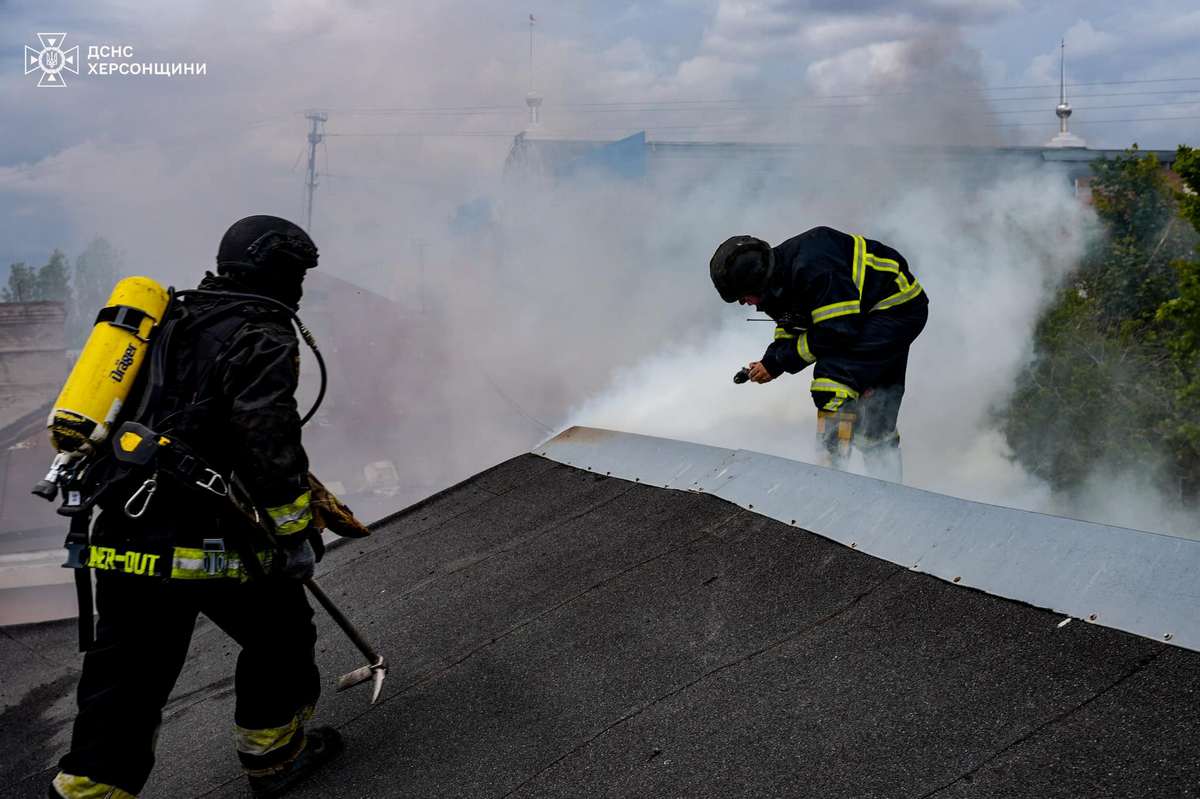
(802, 348)
(858, 267)
(899, 297)
(264, 741)
(293, 517)
(781, 333)
(834, 310)
(906, 290)
(71, 786)
(888, 265)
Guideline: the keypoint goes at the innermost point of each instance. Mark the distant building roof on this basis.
(564, 158)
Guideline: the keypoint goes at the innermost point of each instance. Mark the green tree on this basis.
(21, 286)
(1129, 272)
(52, 281)
(1104, 386)
(1179, 320)
(1131, 195)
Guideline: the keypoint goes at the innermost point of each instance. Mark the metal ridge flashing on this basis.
(1140, 582)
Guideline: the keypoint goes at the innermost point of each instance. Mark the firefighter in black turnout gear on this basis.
(851, 306)
(222, 380)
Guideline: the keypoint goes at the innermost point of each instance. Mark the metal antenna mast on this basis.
(315, 136)
(533, 99)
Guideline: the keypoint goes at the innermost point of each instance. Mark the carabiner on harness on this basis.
(141, 498)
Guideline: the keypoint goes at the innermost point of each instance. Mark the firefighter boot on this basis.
(321, 745)
(835, 430)
(882, 457)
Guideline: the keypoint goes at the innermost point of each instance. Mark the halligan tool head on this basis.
(372, 671)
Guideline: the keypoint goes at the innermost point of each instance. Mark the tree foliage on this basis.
(1179, 321)
(48, 283)
(1109, 382)
(22, 283)
(52, 280)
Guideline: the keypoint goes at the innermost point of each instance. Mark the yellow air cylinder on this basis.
(101, 379)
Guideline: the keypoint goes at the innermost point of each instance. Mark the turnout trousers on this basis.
(142, 638)
(868, 376)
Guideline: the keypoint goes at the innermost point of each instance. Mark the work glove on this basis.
(298, 560)
(330, 513)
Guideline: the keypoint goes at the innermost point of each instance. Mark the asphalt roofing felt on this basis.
(558, 633)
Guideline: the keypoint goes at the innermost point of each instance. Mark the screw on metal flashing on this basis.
(1167, 636)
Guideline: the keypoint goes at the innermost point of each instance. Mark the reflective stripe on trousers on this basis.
(72, 786)
(263, 751)
(841, 392)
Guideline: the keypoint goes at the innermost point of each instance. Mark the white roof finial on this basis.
(1064, 138)
(533, 99)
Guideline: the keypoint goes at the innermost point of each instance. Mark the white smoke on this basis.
(987, 256)
(584, 301)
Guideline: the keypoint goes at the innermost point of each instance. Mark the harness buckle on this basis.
(76, 553)
(215, 560)
(144, 493)
(214, 482)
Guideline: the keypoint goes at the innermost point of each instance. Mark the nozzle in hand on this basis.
(742, 376)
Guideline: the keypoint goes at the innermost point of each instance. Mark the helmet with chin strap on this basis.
(742, 267)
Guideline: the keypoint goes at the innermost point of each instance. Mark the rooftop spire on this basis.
(533, 99)
(1062, 72)
(1064, 138)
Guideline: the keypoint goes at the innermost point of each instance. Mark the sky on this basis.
(731, 70)
(583, 300)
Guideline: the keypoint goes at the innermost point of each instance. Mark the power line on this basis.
(1093, 107)
(615, 105)
(685, 104)
(865, 96)
(584, 132)
(450, 133)
(1101, 83)
(1091, 122)
(676, 106)
(647, 124)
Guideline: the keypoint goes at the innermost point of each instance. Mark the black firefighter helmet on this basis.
(741, 267)
(268, 255)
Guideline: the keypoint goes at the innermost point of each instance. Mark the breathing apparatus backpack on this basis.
(103, 376)
(96, 422)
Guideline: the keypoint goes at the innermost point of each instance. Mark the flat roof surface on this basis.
(559, 633)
